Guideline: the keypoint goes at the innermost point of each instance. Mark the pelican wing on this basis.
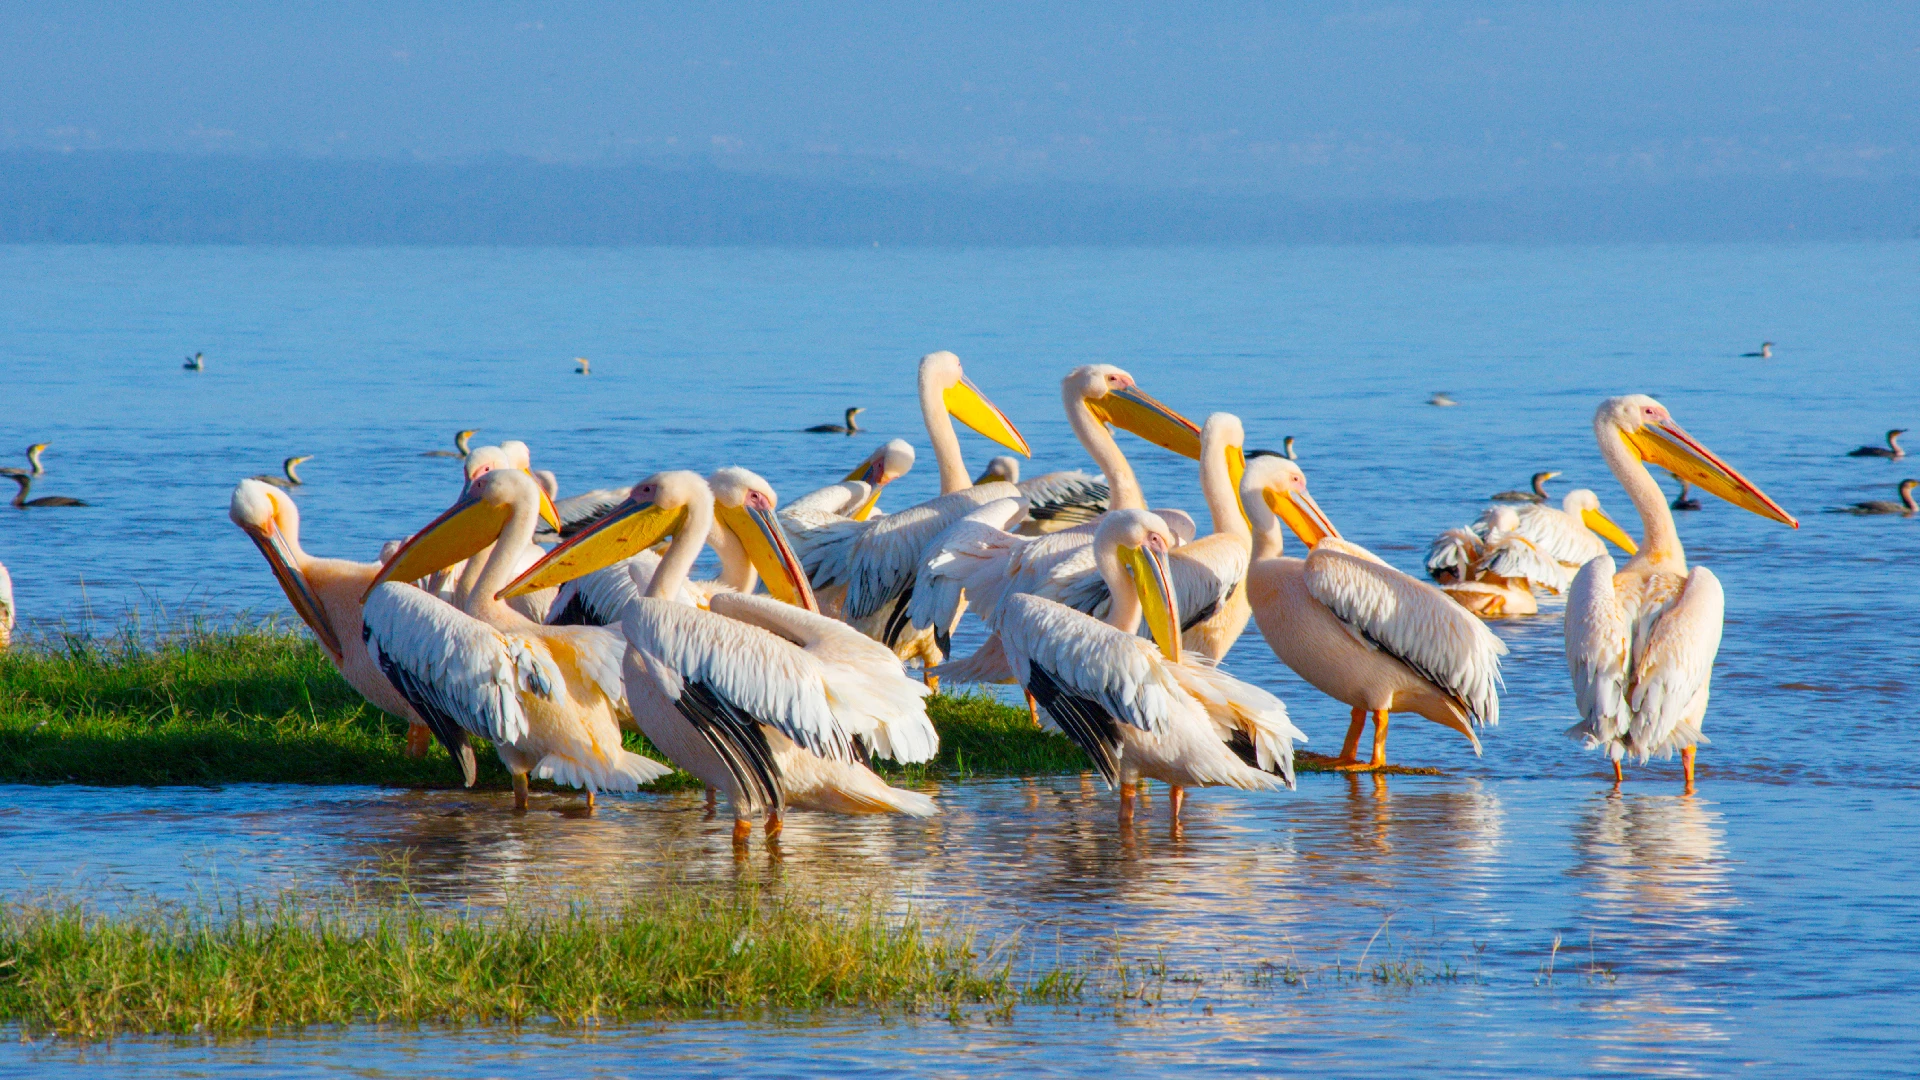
(1514, 556)
(1454, 551)
(1598, 648)
(887, 552)
(1411, 621)
(833, 500)
(756, 672)
(966, 564)
(1559, 534)
(460, 675)
(1205, 574)
(1251, 721)
(1673, 660)
(1068, 496)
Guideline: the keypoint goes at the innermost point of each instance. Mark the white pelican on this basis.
(1641, 642)
(858, 496)
(1891, 451)
(1537, 492)
(760, 697)
(1906, 507)
(1137, 707)
(459, 445)
(1055, 500)
(1491, 570)
(847, 428)
(549, 697)
(6, 608)
(33, 458)
(1360, 631)
(25, 480)
(326, 594)
(480, 461)
(290, 477)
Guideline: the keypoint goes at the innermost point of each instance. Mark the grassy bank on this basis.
(261, 705)
(284, 964)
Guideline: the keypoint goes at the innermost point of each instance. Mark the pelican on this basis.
(1684, 500)
(459, 446)
(761, 697)
(1441, 400)
(549, 697)
(585, 368)
(481, 461)
(1538, 494)
(196, 362)
(1055, 500)
(1138, 707)
(1565, 539)
(1360, 631)
(1906, 507)
(6, 608)
(1765, 353)
(1891, 451)
(25, 480)
(1641, 642)
(848, 428)
(291, 478)
(325, 593)
(858, 496)
(33, 458)
(1489, 569)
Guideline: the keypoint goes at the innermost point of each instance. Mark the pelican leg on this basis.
(590, 799)
(1142, 793)
(419, 738)
(520, 791)
(1619, 774)
(1349, 759)
(1686, 766)
(774, 824)
(1033, 710)
(932, 681)
(1379, 740)
(1176, 799)
(742, 829)
(1127, 792)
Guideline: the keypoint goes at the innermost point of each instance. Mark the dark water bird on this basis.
(1537, 495)
(1286, 449)
(847, 428)
(1684, 501)
(1906, 507)
(33, 457)
(1765, 353)
(25, 480)
(584, 368)
(1891, 451)
(292, 478)
(460, 445)
(196, 362)
(1441, 400)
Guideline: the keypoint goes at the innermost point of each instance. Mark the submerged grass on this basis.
(288, 963)
(256, 704)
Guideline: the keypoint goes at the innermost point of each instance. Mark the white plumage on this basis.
(1642, 658)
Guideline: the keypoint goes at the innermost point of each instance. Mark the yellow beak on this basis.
(1133, 410)
(1301, 514)
(467, 527)
(1672, 449)
(630, 528)
(968, 405)
(873, 473)
(1237, 471)
(1604, 525)
(759, 532)
(1159, 607)
(547, 513)
(294, 584)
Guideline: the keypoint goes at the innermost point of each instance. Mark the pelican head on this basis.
(512, 454)
(1138, 540)
(1584, 506)
(33, 457)
(1650, 433)
(269, 518)
(744, 505)
(1501, 519)
(1280, 486)
(1005, 468)
(941, 372)
(474, 521)
(1114, 398)
(893, 460)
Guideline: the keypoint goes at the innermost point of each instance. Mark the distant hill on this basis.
(113, 197)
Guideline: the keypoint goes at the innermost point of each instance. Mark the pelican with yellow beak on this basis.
(1641, 640)
(1359, 631)
(856, 497)
(760, 696)
(1495, 565)
(326, 594)
(1138, 707)
(550, 698)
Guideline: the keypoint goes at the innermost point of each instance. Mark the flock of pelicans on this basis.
(1111, 615)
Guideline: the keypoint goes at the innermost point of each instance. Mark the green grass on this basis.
(289, 963)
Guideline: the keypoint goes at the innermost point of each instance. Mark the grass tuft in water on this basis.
(289, 963)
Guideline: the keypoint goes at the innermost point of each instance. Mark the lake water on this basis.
(1761, 923)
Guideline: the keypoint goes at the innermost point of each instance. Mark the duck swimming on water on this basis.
(1906, 507)
(848, 428)
(1765, 353)
(1891, 451)
(196, 362)
(25, 480)
(459, 443)
(292, 478)
(1537, 495)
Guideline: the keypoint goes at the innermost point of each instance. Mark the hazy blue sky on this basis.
(1305, 99)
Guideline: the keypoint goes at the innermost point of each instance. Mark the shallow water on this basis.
(1755, 922)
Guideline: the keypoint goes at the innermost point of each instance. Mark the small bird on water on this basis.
(196, 362)
(33, 457)
(847, 428)
(25, 480)
(291, 479)
(1286, 449)
(1906, 507)
(585, 368)
(1765, 353)
(1891, 451)
(1537, 495)
(1684, 500)
(459, 444)
(1441, 400)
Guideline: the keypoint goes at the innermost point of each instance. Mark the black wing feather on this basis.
(737, 738)
(1091, 727)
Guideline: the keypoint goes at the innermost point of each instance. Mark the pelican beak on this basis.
(1154, 583)
(873, 473)
(1237, 471)
(1666, 445)
(467, 527)
(1301, 514)
(294, 584)
(1603, 525)
(968, 405)
(632, 527)
(1131, 408)
(547, 513)
(758, 530)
